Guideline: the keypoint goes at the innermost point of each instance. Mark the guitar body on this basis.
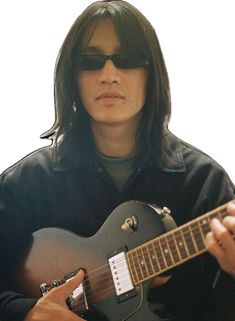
(54, 253)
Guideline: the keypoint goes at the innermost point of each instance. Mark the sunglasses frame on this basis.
(131, 63)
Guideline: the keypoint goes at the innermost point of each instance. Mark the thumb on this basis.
(64, 290)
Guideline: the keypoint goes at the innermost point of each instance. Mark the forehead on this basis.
(101, 37)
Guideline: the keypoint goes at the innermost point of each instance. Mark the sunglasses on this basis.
(122, 61)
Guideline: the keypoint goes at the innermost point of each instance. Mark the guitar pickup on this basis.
(121, 277)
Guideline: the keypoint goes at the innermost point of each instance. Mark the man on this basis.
(111, 145)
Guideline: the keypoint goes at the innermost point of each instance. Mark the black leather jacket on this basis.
(78, 195)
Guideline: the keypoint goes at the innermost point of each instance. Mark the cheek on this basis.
(81, 85)
(84, 88)
(141, 87)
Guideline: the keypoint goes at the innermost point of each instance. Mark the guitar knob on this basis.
(166, 211)
(57, 283)
(45, 288)
(130, 224)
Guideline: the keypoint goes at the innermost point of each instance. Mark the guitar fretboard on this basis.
(172, 248)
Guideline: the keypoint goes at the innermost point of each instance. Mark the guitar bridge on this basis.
(121, 277)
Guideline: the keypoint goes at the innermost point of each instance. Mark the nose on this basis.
(109, 73)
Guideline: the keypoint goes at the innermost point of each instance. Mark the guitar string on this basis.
(107, 287)
(106, 266)
(122, 264)
(159, 239)
(94, 274)
(163, 237)
(101, 290)
(107, 270)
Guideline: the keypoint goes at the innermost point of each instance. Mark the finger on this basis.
(229, 223)
(231, 208)
(221, 242)
(72, 284)
(212, 245)
(64, 290)
(221, 233)
(218, 252)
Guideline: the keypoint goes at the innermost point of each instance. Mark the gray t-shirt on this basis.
(119, 168)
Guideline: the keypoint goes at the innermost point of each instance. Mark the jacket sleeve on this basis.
(223, 289)
(224, 297)
(13, 306)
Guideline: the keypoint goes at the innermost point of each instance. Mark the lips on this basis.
(110, 95)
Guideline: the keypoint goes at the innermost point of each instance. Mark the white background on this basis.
(198, 42)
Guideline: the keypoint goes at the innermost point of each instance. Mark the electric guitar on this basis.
(137, 242)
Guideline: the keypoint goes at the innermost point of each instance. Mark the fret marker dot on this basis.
(180, 243)
(166, 251)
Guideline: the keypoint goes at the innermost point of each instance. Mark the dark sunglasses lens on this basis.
(95, 62)
(129, 61)
(90, 62)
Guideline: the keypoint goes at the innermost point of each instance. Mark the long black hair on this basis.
(135, 34)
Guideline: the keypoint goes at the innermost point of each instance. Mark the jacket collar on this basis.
(174, 162)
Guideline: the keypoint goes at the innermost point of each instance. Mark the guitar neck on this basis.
(173, 248)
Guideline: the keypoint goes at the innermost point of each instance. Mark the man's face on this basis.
(111, 96)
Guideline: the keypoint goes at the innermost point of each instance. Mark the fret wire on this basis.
(148, 261)
(193, 237)
(162, 254)
(185, 246)
(133, 267)
(159, 255)
(190, 241)
(198, 236)
(150, 258)
(181, 244)
(170, 239)
(214, 215)
(166, 251)
(150, 266)
(137, 267)
(140, 260)
(143, 263)
(170, 251)
(156, 257)
(170, 256)
(205, 225)
(221, 214)
(177, 248)
(201, 231)
(184, 238)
